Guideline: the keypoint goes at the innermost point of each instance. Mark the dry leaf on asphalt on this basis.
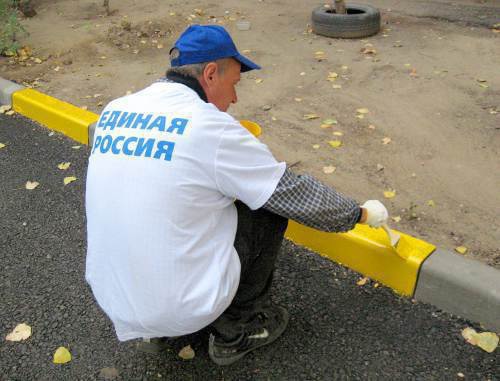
(298, 99)
(413, 73)
(362, 281)
(329, 169)
(69, 179)
(338, 133)
(61, 356)
(337, 86)
(63, 166)
(259, 80)
(30, 185)
(362, 111)
(21, 332)
(2, 145)
(4, 108)
(487, 341)
(310, 116)
(461, 249)
(431, 203)
(386, 140)
(335, 143)
(371, 127)
(186, 353)
(315, 146)
(396, 218)
(389, 193)
(380, 167)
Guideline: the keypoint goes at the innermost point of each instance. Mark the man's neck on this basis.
(188, 81)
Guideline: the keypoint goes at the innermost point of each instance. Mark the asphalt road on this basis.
(338, 330)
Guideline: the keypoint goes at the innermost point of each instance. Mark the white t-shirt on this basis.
(163, 175)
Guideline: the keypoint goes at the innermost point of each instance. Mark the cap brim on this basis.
(246, 64)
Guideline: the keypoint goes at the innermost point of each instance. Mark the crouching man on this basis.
(186, 210)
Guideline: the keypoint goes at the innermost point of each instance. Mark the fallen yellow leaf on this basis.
(386, 140)
(376, 285)
(30, 185)
(329, 121)
(338, 133)
(187, 353)
(61, 356)
(362, 111)
(487, 341)
(10, 112)
(246, 51)
(316, 146)
(298, 99)
(337, 86)
(69, 179)
(310, 116)
(360, 116)
(329, 169)
(431, 203)
(368, 50)
(335, 143)
(21, 332)
(345, 67)
(37, 60)
(64, 165)
(461, 249)
(2, 145)
(332, 76)
(4, 108)
(389, 193)
(396, 218)
(259, 80)
(362, 281)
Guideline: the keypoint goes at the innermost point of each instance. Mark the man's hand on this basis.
(376, 213)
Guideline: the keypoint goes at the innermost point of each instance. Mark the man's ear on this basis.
(210, 74)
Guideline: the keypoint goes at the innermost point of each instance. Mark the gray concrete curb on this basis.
(462, 286)
(455, 284)
(7, 88)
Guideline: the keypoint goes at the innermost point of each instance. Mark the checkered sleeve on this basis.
(306, 200)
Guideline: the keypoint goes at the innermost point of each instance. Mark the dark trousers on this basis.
(258, 240)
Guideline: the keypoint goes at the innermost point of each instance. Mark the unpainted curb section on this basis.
(455, 284)
(461, 286)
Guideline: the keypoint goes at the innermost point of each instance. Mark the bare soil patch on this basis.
(430, 85)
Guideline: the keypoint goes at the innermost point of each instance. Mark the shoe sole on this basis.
(229, 361)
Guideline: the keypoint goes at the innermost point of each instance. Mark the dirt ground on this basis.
(429, 80)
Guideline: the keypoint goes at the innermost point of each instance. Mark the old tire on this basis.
(359, 21)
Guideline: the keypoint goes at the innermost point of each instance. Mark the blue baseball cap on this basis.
(206, 43)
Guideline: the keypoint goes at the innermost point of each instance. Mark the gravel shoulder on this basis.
(338, 330)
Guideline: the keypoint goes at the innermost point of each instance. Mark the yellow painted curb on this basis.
(363, 249)
(57, 115)
(369, 252)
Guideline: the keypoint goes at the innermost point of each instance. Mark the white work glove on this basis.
(377, 214)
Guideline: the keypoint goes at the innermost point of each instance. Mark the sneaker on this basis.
(269, 325)
(154, 346)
